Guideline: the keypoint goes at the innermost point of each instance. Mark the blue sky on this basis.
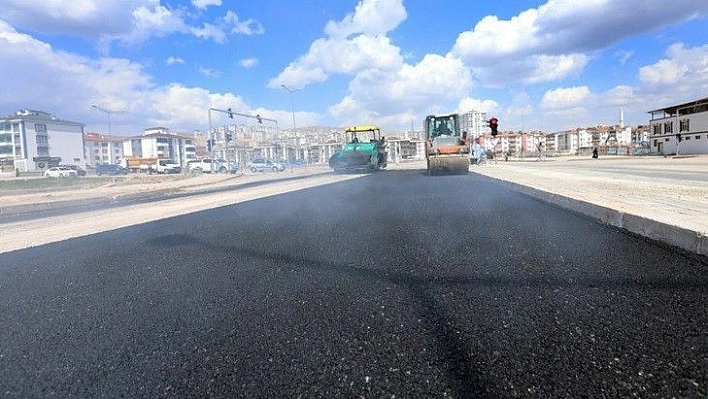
(536, 65)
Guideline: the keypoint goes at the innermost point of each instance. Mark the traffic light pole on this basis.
(231, 114)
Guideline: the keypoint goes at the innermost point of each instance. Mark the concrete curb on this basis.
(680, 237)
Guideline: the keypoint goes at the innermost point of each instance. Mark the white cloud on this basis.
(618, 95)
(127, 21)
(547, 68)
(210, 73)
(433, 85)
(353, 56)
(209, 31)
(531, 45)
(249, 62)
(566, 98)
(80, 17)
(177, 105)
(358, 41)
(682, 66)
(113, 83)
(156, 21)
(174, 60)
(624, 56)
(371, 17)
(203, 4)
(161, 21)
(248, 27)
(468, 104)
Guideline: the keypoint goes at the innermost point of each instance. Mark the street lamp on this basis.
(109, 112)
(292, 110)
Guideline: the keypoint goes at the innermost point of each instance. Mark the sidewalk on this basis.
(665, 199)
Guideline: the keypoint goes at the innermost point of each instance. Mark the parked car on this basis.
(261, 165)
(208, 165)
(167, 166)
(60, 171)
(110, 169)
(77, 168)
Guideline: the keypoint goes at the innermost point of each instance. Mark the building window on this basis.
(668, 127)
(666, 140)
(683, 125)
(688, 138)
(40, 128)
(698, 137)
(656, 129)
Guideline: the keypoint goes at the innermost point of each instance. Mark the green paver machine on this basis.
(364, 151)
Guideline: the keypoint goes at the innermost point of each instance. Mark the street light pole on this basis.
(292, 110)
(109, 112)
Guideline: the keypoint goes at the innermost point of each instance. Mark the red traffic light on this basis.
(493, 124)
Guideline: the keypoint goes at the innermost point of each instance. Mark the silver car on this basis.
(261, 165)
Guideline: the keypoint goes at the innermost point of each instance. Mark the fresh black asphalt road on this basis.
(391, 284)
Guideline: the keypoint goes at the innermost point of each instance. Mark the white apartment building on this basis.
(102, 149)
(33, 141)
(474, 123)
(680, 129)
(159, 142)
(571, 141)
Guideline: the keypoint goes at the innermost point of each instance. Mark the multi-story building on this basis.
(519, 144)
(159, 142)
(680, 129)
(474, 123)
(35, 140)
(572, 141)
(102, 149)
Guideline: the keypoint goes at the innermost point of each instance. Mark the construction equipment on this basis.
(446, 147)
(138, 164)
(365, 151)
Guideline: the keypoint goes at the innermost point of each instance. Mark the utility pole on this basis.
(109, 112)
(292, 110)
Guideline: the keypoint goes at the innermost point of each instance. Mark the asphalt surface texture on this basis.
(393, 284)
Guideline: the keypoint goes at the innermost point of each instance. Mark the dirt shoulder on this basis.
(136, 185)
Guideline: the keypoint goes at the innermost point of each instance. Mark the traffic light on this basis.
(494, 124)
(228, 136)
(231, 115)
(258, 116)
(678, 137)
(210, 144)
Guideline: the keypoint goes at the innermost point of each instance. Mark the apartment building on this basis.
(474, 123)
(159, 142)
(680, 129)
(32, 141)
(102, 149)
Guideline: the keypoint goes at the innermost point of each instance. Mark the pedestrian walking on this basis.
(478, 153)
